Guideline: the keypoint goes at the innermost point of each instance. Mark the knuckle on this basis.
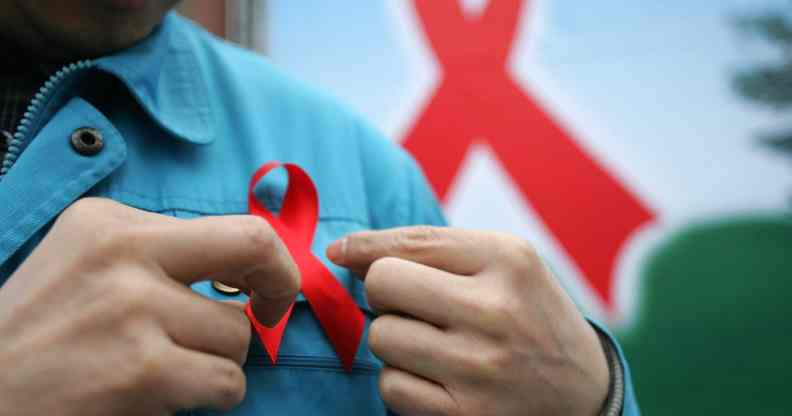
(229, 384)
(476, 407)
(495, 311)
(90, 211)
(475, 302)
(421, 233)
(293, 281)
(93, 218)
(132, 293)
(450, 410)
(377, 331)
(376, 280)
(518, 251)
(82, 210)
(240, 338)
(380, 266)
(127, 299)
(123, 302)
(145, 363)
(477, 366)
(150, 361)
(520, 261)
(419, 239)
(444, 409)
(491, 363)
(499, 307)
(258, 233)
(277, 284)
(114, 242)
(396, 393)
(515, 246)
(390, 389)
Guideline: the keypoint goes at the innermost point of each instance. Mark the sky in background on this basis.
(644, 86)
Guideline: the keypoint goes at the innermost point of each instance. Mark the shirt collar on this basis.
(163, 74)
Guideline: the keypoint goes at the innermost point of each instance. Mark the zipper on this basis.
(28, 125)
(311, 363)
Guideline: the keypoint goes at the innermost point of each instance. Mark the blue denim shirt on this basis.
(186, 119)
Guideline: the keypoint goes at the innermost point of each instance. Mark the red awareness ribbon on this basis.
(337, 312)
(587, 209)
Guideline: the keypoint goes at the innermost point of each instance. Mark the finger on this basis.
(454, 250)
(410, 395)
(194, 379)
(413, 346)
(193, 250)
(201, 324)
(399, 286)
(268, 306)
(190, 250)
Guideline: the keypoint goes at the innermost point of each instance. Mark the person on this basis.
(124, 197)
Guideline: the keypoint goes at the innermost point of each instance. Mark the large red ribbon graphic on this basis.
(337, 312)
(588, 210)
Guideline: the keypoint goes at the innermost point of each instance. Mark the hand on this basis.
(99, 320)
(473, 323)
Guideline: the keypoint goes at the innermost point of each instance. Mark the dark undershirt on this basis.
(21, 76)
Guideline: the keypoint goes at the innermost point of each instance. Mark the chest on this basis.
(140, 165)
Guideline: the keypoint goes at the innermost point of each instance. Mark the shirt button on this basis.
(87, 141)
(225, 289)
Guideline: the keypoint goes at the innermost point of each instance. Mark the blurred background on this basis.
(644, 147)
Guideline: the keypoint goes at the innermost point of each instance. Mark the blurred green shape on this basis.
(714, 333)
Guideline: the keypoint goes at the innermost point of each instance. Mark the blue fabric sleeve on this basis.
(630, 404)
(398, 193)
(424, 207)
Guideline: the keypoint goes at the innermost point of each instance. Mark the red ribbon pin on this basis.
(337, 312)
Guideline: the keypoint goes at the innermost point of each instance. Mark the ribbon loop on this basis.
(338, 314)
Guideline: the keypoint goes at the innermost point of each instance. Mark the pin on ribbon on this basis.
(338, 314)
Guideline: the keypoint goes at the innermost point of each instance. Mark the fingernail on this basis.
(337, 250)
